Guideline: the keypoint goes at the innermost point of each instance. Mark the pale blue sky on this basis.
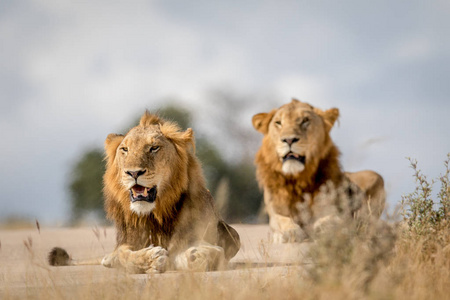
(72, 72)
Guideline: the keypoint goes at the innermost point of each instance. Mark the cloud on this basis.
(304, 87)
(413, 49)
(72, 72)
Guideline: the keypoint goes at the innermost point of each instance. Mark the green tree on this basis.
(177, 114)
(86, 185)
(245, 196)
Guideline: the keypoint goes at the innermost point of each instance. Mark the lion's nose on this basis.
(135, 174)
(290, 141)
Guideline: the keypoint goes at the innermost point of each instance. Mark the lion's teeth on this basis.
(145, 193)
(133, 192)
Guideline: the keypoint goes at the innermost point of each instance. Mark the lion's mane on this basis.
(323, 164)
(186, 181)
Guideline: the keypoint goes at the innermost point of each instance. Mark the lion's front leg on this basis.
(202, 257)
(147, 260)
(285, 230)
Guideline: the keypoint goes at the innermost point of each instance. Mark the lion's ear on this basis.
(330, 116)
(187, 136)
(111, 143)
(261, 121)
(184, 139)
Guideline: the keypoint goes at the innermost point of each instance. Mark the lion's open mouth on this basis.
(142, 193)
(294, 156)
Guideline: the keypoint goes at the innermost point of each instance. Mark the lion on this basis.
(156, 195)
(297, 167)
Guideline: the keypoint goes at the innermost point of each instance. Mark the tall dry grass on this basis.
(407, 259)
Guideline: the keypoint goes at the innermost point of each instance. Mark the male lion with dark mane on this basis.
(298, 168)
(155, 194)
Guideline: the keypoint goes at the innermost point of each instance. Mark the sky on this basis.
(71, 72)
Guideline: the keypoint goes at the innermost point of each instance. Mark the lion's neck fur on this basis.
(292, 188)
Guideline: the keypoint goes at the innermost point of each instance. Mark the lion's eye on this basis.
(278, 123)
(124, 149)
(154, 149)
(305, 122)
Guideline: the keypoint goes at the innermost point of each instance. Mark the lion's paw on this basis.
(111, 260)
(291, 235)
(147, 260)
(158, 265)
(204, 258)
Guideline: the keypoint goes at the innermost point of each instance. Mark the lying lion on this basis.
(298, 168)
(156, 196)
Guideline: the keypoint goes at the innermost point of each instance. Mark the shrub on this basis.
(426, 215)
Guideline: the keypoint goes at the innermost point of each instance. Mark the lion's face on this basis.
(147, 160)
(144, 158)
(297, 134)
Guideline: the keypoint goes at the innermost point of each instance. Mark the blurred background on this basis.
(71, 72)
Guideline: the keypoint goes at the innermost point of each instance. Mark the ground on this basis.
(25, 273)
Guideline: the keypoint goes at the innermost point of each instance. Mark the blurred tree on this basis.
(231, 112)
(177, 114)
(233, 185)
(86, 185)
(245, 196)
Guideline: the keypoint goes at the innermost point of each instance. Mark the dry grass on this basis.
(373, 260)
(352, 268)
(407, 275)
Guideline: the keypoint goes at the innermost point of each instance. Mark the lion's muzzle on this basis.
(293, 163)
(142, 193)
(294, 156)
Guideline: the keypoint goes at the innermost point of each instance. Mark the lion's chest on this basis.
(146, 234)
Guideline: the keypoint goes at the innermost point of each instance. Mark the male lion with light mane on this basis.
(155, 193)
(298, 168)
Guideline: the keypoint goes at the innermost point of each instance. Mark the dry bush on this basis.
(409, 259)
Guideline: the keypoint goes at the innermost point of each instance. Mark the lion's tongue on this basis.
(139, 189)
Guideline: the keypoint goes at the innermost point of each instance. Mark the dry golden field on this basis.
(24, 272)
(379, 264)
